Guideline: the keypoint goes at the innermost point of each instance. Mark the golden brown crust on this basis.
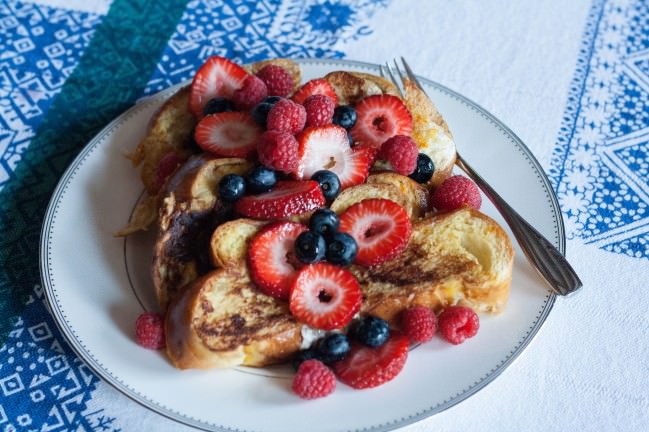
(229, 242)
(189, 213)
(459, 257)
(222, 320)
(169, 131)
(415, 194)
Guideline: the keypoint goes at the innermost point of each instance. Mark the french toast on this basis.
(458, 257)
(190, 211)
(218, 313)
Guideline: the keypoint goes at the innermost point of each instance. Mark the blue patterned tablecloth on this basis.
(585, 116)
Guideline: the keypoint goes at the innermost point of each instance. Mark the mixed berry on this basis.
(309, 149)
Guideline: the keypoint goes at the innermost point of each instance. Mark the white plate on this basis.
(97, 285)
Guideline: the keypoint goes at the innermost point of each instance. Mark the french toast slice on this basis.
(222, 320)
(229, 242)
(458, 257)
(189, 213)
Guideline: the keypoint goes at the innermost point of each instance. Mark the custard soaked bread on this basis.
(458, 257)
(286, 208)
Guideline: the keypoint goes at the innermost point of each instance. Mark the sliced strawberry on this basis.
(366, 367)
(269, 258)
(313, 87)
(229, 134)
(218, 76)
(287, 198)
(380, 117)
(327, 148)
(325, 296)
(380, 227)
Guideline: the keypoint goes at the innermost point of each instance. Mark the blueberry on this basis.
(341, 249)
(272, 99)
(333, 347)
(424, 170)
(329, 183)
(371, 331)
(324, 221)
(260, 179)
(303, 356)
(344, 116)
(232, 187)
(260, 113)
(310, 247)
(218, 105)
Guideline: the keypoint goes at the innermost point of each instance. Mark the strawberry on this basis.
(325, 296)
(286, 199)
(380, 117)
(228, 134)
(366, 367)
(313, 87)
(269, 258)
(327, 148)
(218, 76)
(380, 227)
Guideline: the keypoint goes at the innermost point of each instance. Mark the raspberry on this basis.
(278, 80)
(286, 116)
(167, 165)
(278, 150)
(319, 110)
(456, 192)
(250, 94)
(313, 380)
(401, 152)
(458, 323)
(150, 331)
(419, 324)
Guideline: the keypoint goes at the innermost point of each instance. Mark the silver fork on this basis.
(544, 257)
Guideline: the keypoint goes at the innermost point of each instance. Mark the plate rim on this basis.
(96, 366)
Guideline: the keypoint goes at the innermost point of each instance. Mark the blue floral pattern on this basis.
(600, 166)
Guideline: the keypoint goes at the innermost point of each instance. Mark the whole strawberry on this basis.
(456, 192)
(313, 380)
(149, 331)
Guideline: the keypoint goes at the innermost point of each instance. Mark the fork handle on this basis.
(545, 258)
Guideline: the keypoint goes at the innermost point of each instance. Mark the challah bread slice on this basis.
(222, 320)
(459, 257)
(169, 131)
(229, 242)
(189, 213)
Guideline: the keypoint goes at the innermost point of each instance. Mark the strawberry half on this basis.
(366, 367)
(327, 148)
(380, 227)
(313, 87)
(228, 134)
(325, 296)
(380, 117)
(218, 76)
(287, 198)
(269, 258)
